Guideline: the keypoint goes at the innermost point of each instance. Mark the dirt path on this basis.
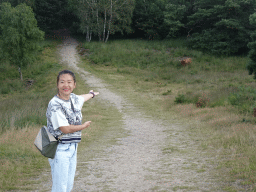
(155, 156)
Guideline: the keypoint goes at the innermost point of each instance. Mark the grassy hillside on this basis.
(214, 96)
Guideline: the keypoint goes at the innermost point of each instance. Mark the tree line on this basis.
(218, 27)
(221, 27)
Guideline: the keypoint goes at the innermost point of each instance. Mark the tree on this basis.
(176, 16)
(251, 65)
(173, 16)
(104, 17)
(51, 14)
(20, 34)
(14, 3)
(148, 19)
(221, 26)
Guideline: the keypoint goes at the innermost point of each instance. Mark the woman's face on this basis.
(66, 85)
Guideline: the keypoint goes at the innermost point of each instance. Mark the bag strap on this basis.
(72, 106)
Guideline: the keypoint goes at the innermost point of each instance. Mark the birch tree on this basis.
(104, 17)
(20, 34)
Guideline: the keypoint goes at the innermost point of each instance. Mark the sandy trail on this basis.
(138, 163)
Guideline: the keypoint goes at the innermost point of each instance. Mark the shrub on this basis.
(244, 98)
(234, 98)
(202, 101)
(180, 99)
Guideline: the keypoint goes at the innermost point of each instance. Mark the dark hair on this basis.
(66, 72)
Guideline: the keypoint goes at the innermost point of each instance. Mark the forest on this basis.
(221, 27)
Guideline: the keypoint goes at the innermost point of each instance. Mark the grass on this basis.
(214, 96)
(22, 114)
(19, 160)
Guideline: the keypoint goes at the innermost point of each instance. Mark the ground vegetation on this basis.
(214, 95)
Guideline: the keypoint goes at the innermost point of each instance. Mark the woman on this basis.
(64, 118)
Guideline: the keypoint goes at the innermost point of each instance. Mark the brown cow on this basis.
(185, 62)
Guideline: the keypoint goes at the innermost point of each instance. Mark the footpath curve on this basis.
(138, 163)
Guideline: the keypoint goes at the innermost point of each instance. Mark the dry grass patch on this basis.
(20, 160)
(232, 140)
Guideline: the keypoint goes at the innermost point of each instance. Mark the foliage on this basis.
(203, 101)
(221, 27)
(103, 18)
(14, 3)
(53, 14)
(173, 16)
(180, 99)
(17, 110)
(20, 34)
(244, 98)
(251, 65)
(148, 19)
(176, 17)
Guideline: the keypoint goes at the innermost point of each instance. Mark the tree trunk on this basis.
(87, 34)
(97, 15)
(104, 29)
(21, 78)
(110, 20)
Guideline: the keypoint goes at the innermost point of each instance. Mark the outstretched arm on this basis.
(90, 95)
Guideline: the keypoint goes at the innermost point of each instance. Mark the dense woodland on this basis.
(220, 27)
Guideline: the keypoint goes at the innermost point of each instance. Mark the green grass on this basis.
(214, 96)
(161, 61)
(22, 113)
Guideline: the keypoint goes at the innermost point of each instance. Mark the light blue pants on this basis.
(63, 167)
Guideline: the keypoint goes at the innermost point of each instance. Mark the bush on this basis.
(244, 98)
(180, 99)
(202, 101)
(234, 98)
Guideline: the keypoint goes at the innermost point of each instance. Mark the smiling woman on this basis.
(64, 118)
(66, 83)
